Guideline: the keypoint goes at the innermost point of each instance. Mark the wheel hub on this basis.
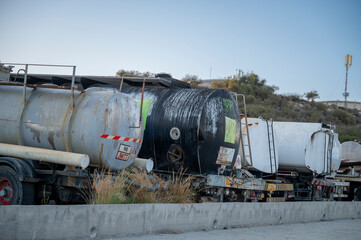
(6, 191)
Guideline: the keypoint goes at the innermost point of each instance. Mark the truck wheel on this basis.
(12, 191)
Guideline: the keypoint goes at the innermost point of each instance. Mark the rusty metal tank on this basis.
(194, 129)
(307, 147)
(101, 123)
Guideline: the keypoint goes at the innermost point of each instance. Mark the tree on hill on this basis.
(247, 84)
(312, 95)
(134, 73)
(193, 80)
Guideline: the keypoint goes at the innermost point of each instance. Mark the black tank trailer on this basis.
(197, 130)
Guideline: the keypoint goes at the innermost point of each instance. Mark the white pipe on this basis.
(146, 164)
(46, 155)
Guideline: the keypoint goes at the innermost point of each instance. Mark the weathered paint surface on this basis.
(49, 120)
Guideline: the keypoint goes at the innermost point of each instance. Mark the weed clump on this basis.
(135, 185)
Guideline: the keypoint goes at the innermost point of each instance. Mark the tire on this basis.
(12, 190)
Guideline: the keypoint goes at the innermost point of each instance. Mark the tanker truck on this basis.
(52, 137)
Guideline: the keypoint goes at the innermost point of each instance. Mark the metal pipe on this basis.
(141, 103)
(121, 84)
(72, 86)
(146, 164)
(25, 81)
(45, 65)
(40, 86)
(141, 107)
(45, 155)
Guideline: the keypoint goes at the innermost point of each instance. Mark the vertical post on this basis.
(25, 82)
(121, 84)
(72, 85)
(348, 63)
(346, 93)
(141, 103)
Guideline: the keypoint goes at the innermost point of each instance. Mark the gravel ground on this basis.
(327, 230)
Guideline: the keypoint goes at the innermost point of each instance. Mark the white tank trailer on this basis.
(351, 153)
(307, 147)
(101, 123)
(263, 146)
(350, 170)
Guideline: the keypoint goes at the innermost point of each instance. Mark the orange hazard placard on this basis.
(123, 152)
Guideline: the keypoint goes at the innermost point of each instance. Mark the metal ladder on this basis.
(329, 152)
(271, 145)
(245, 142)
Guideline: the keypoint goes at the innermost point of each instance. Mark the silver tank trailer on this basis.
(49, 120)
(351, 153)
(304, 146)
(263, 159)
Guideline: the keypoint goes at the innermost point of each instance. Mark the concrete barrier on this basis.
(106, 221)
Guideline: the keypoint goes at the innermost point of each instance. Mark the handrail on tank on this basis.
(141, 104)
(45, 65)
(141, 101)
(17, 74)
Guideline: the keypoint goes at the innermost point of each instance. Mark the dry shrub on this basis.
(108, 188)
(142, 194)
(123, 188)
(180, 189)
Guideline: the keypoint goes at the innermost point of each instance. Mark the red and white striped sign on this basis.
(126, 139)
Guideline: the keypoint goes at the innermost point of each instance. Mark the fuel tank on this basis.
(102, 123)
(307, 147)
(197, 130)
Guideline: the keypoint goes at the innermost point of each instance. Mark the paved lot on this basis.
(328, 230)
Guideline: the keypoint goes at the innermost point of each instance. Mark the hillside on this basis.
(262, 100)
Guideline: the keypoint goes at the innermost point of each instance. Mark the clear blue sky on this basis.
(296, 45)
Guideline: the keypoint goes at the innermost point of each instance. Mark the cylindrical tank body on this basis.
(263, 146)
(194, 129)
(49, 120)
(305, 146)
(351, 153)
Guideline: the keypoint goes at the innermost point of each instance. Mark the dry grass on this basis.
(180, 189)
(108, 189)
(120, 188)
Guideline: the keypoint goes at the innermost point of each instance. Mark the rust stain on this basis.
(100, 156)
(51, 140)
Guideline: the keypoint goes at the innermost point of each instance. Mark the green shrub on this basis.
(349, 133)
(342, 116)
